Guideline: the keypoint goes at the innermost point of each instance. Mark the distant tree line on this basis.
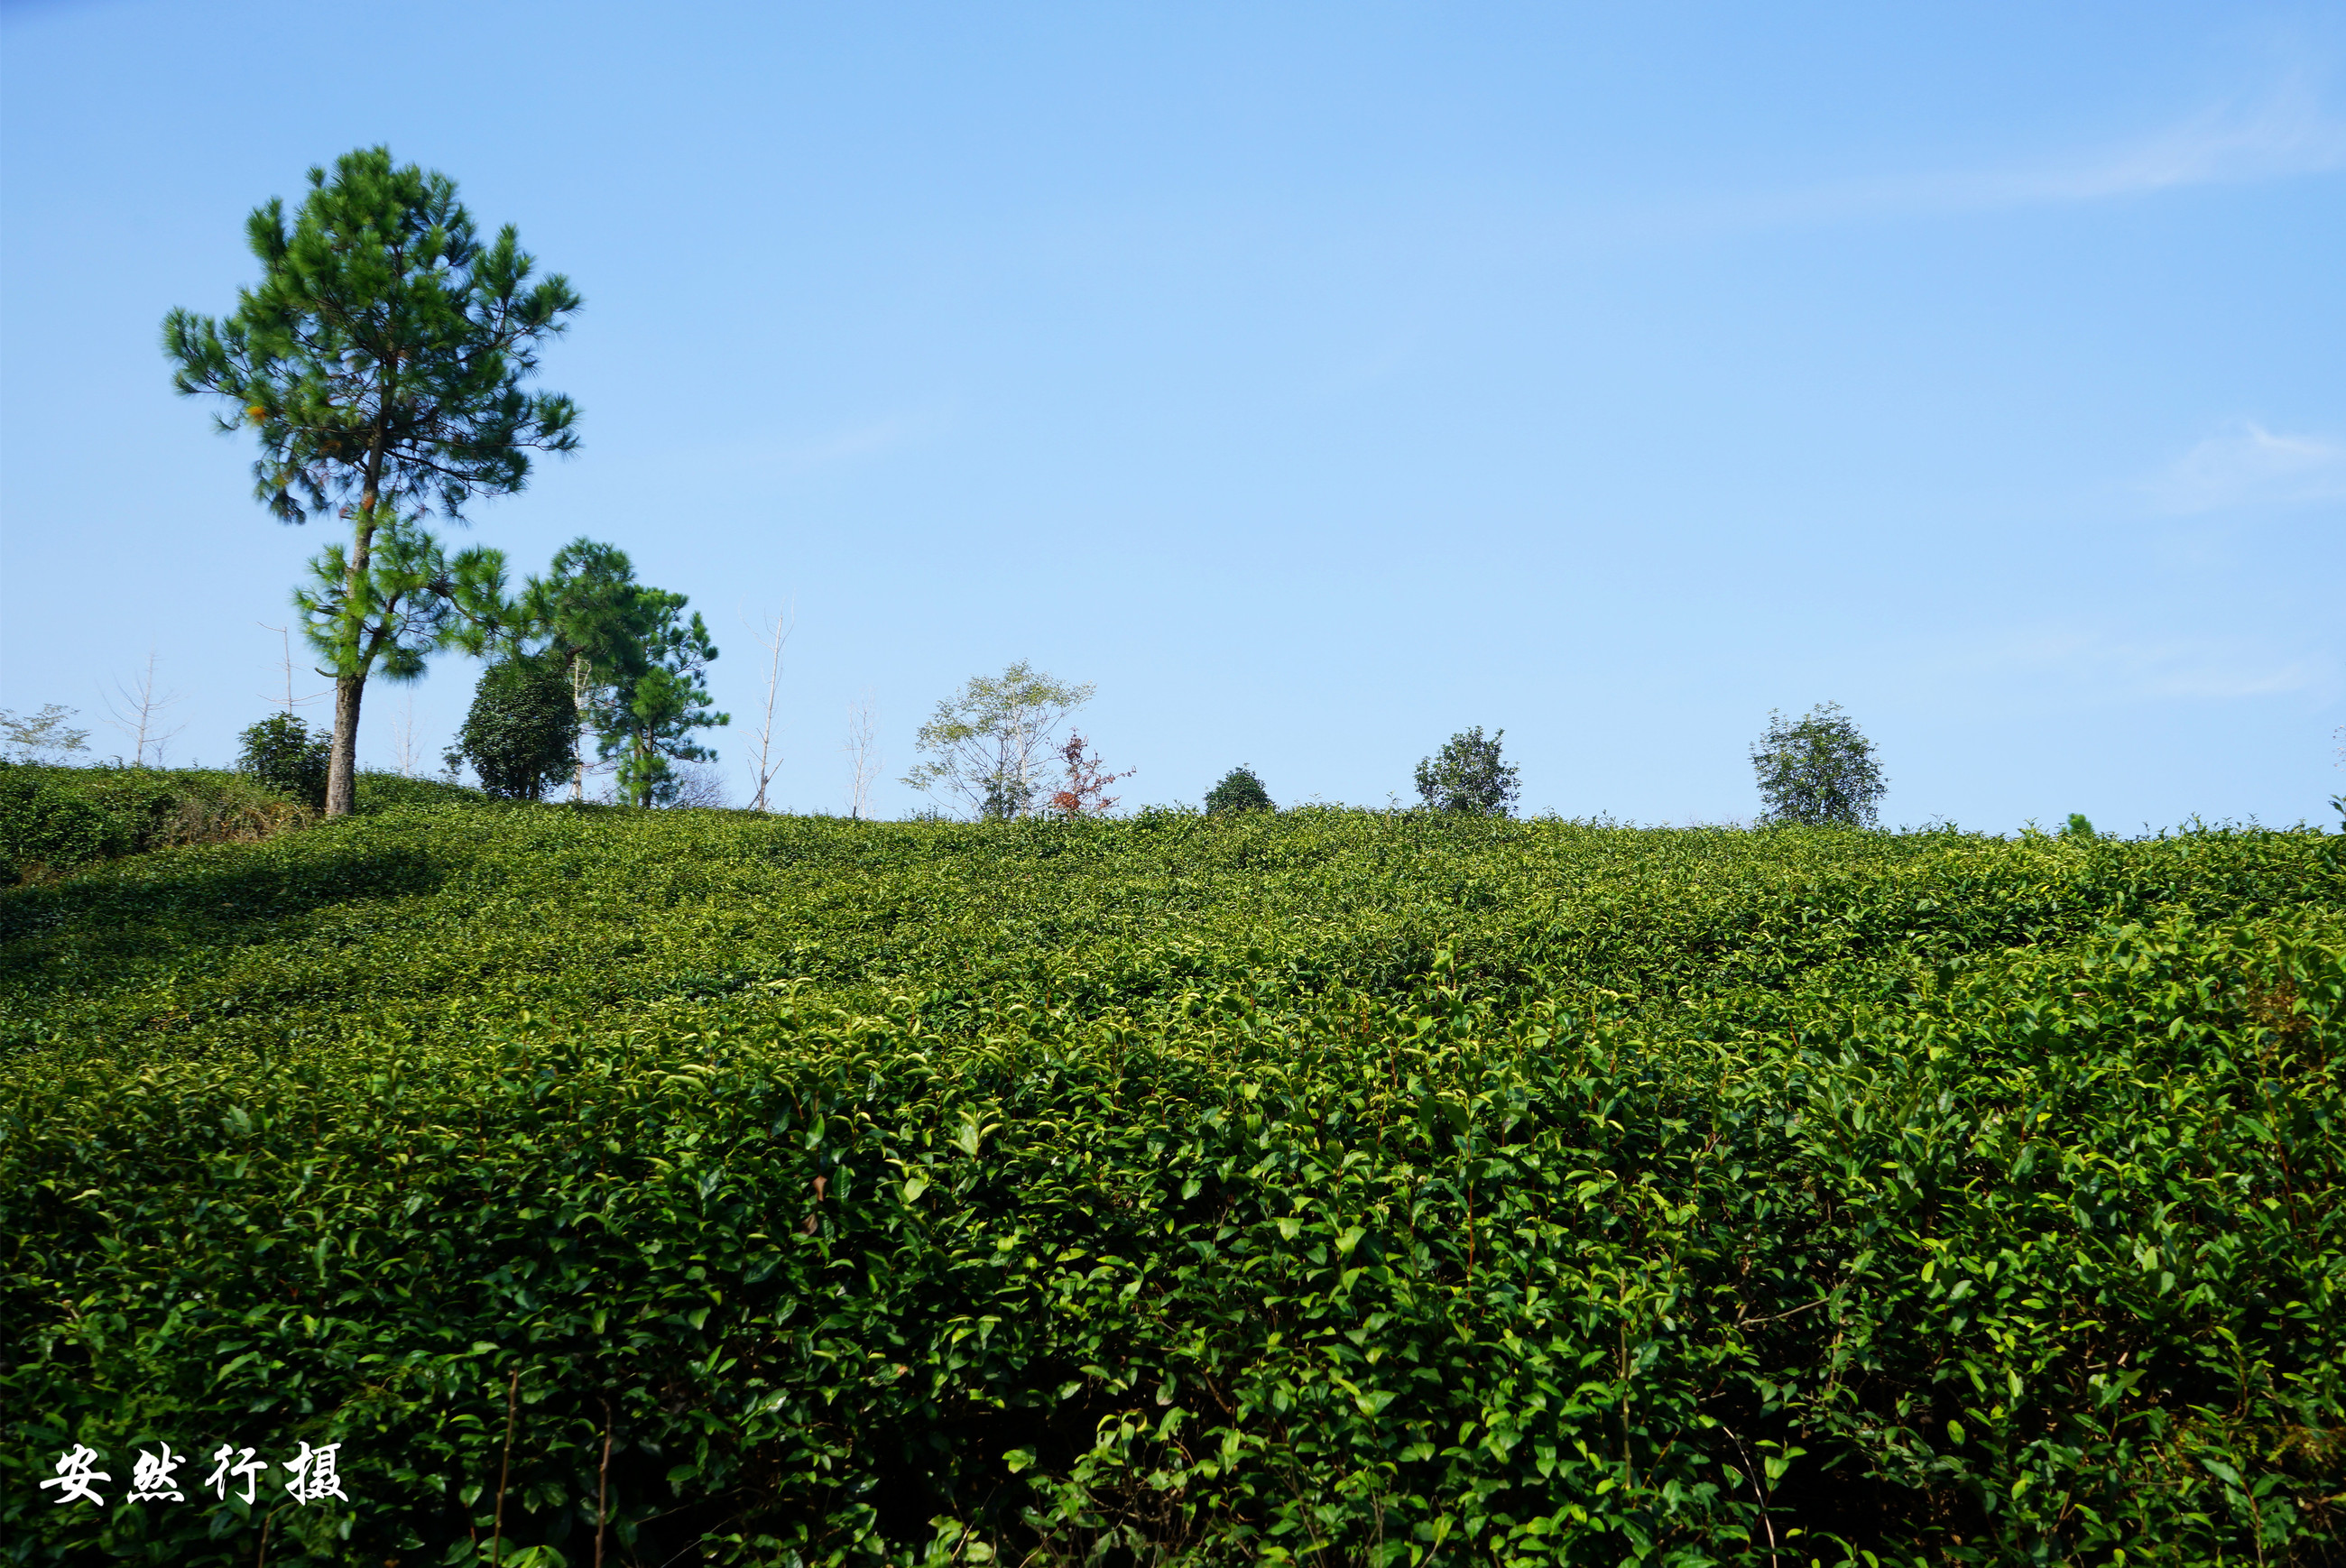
(381, 364)
(984, 744)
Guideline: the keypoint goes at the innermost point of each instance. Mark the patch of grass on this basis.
(1325, 1185)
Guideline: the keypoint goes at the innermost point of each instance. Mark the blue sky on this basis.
(1316, 380)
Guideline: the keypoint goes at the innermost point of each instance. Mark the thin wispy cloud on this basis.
(2113, 665)
(848, 444)
(2286, 133)
(840, 444)
(2245, 465)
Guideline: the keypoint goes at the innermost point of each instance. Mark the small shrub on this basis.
(384, 791)
(1239, 791)
(1005, 798)
(285, 756)
(55, 820)
(194, 807)
(521, 735)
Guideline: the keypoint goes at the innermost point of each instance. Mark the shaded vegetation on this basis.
(1329, 1186)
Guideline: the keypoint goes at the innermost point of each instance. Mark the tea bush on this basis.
(1328, 1186)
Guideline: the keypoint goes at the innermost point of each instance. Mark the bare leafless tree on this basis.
(138, 711)
(290, 700)
(862, 754)
(698, 784)
(771, 638)
(403, 739)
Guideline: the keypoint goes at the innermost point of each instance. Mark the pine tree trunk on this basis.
(343, 756)
(341, 763)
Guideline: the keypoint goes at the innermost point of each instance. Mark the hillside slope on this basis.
(1331, 1185)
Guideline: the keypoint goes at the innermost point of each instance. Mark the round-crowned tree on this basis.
(284, 755)
(1818, 769)
(1239, 791)
(1467, 776)
(521, 735)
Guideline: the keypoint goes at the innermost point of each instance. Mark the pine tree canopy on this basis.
(647, 712)
(380, 359)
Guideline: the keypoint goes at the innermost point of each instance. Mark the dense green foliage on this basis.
(1322, 1185)
(1467, 776)
(44, 826)
(1239, 791)
(283, 756)
(521, 734)
(1818, 769)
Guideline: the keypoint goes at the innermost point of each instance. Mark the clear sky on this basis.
(1317, 379)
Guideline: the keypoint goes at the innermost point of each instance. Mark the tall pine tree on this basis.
(380, 361)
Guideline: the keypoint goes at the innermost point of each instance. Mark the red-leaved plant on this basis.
(1087, 786)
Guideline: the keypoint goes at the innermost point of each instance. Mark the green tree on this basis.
(586, 613)
(521, 734)
(1467, 776)
(42, 736)
(1818, 769)
(987, 745)
(282, 754)
(380, 361)
(1239, 791)
(653, 705)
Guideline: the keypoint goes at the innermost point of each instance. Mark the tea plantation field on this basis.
(1330, 1187)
